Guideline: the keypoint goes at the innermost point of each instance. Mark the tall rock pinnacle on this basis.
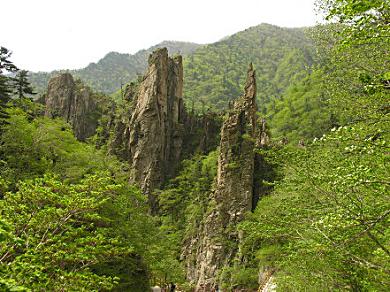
(232, 196)
(156, 128)
(236, 150)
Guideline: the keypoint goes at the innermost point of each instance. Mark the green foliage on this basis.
(5, 63)
(5, 82)
(329, 217)
(215, 73)
(115, 69)
(22, 85)
(303, 113)
(34, 147)
(128, 220)
(56, 234)
(358, 13)
(326, 225)
(30, 149)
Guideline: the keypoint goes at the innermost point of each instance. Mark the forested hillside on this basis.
(257, 163)
(213, 73)
(115, 69)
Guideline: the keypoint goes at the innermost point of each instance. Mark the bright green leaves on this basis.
(358, 11)
(303, 113)
(328, 220)
(30, 149)
(329, 216)
(57, 234)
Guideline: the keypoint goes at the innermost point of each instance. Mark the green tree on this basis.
(55, 235)
(22, 85)
(5, 63)
(31, 148)
(303, 113)
(367, 14)
(5, 82)
(326, 225)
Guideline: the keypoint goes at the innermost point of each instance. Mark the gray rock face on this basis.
(216, 242)
(152, 130)
(70, 100)
(156, 123)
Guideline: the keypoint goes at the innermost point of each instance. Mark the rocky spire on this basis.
(156, 128)
(232, 195)
(73, 102)
(236, 149)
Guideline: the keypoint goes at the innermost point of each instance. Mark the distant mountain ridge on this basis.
(213, 72)
(114, 69)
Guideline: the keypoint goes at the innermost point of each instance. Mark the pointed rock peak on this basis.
(161, 53)
(155, 127)
(250, 86)
(247, 101)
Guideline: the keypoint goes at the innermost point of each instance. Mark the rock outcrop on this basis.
(216, 243)
(156, 125)
(152, 130)
(74, 102)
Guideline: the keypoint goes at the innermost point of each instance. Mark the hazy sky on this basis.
(52, 34)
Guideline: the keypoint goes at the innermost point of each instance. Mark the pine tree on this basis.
(22, 85)
(5, 84)
(6, 64)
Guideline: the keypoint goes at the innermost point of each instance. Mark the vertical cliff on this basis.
(151, 129)
(74, 102)
(156, 128)
(216, 242)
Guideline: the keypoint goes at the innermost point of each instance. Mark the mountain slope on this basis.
(114, 69)
(213, 73)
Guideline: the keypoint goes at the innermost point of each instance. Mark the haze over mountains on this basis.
(115, 68)
(279, 54)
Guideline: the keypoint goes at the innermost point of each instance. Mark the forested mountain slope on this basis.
(114, 69)
(213, 73)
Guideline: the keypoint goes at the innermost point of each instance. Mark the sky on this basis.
(69, 34)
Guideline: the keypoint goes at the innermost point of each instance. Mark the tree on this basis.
(5, 81)
(31, 148)
(358, 13)
(5, 64)
(22, 85)
(5, 93)
(55, 235)
(330, 215)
